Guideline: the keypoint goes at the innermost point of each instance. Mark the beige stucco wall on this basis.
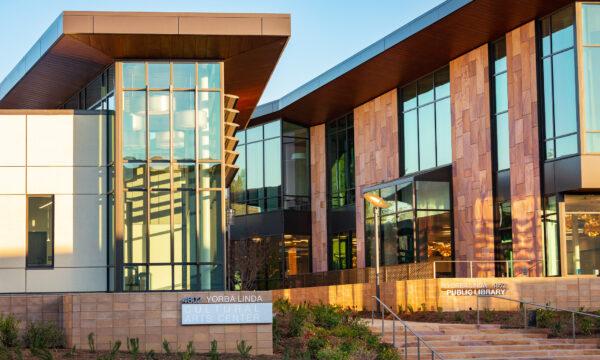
(62, 155)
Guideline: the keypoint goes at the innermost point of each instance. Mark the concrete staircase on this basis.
(462, 341)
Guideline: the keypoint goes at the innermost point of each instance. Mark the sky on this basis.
(324, 32)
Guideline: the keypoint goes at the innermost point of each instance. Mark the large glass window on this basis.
(172, 171)
(273, 170)
(40, 230)
(340, 161)
(559, 84)
(416, 225)
(591, 73)
(426, 123)
(551, 237)
(342, 251)
(582, 228)
(500, 104)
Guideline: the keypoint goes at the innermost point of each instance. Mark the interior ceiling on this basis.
(471, 26)
(74, 60)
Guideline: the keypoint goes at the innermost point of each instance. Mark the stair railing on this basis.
(524, 304)
(428, 350)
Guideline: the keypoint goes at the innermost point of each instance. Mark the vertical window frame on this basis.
(29, 266)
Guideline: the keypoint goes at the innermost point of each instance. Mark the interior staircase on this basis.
(491, 342)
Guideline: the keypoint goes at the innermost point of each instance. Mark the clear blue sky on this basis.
(324, 32)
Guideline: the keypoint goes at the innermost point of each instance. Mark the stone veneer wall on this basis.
(151, 317)
(472, 161)
(376, 153)
(318, 197)
(525, 189)
(570, 293)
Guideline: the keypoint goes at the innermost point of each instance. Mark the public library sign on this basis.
(226, 310)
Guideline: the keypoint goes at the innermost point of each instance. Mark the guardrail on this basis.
(407, 329)
(524, 305)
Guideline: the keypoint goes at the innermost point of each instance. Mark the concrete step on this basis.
(504, 348)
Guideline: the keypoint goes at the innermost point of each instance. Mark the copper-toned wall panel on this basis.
(524, 145)
(318, 197)
(472, 160)
(376, 153)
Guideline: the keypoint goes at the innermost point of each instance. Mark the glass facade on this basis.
(551, 237)
(499, 91)
(172, 176)
(340, 162)
(591, 72)
(582, 229)
(274, 169)
(559, 79)
(425, 123)
(40, 231)
(342, 251)
(417, 226)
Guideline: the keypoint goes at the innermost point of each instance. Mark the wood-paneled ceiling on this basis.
(429, 42)
(249, 44)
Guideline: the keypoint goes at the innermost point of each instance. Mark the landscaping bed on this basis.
(305, 332)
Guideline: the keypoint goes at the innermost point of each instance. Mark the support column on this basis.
(318, 197)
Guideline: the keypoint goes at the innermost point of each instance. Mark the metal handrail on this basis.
(547, 307)
(434, 354)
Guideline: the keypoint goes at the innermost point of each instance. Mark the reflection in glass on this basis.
(296, 253)
(565, 102)
(562, 29)
(184, 120)
(159, 76)
(184, 75)
(409, 97)
(209, 125)
(210, 231)
(160, 176)
(272, 129)
(272, 162)
(548, 102)
(433, 195)
(442, 83)
(591, 24)
(502, 142)
(210, 175)
(427, 137)
(134, 175)
(411, 145)
(434, 234)
(425, 90)
(160, 277)
(186, 277)
(184, 176)
(160, 227)
(184, 222)
(566, 145)
(582, 222)
(158, 116)
(443, 125)
(134, 125)
(134, 234)
(552, 241)
(134, 75)
(40, 230)
(209, 76)
(135, 278)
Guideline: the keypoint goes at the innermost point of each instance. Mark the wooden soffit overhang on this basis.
(79, 45)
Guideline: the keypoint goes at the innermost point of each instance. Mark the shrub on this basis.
(214, 350)
(9, 331)
(330, 353)
(151, 355)
(42, 353)
(244, 349)
(387, 352)
(166, 346)
(459, 316)
(91, 342)
(44, 335)
(133, 347)
(316, 344)
(544, 317)
(189, 351)
(298, 316)
(488, 315)
(410, 308)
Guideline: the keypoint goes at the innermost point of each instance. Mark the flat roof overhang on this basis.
(427, 43)
(79, 45)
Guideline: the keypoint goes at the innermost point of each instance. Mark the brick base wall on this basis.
(150, 317)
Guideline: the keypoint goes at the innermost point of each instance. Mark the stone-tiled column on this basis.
(472, 161)
(524, 149)
(318, 197)
(376, 153)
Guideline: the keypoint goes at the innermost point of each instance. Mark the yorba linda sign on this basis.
(226, 309)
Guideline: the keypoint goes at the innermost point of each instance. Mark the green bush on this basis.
(327, 316)
(9, 331)
(298, 316)
(316, 344)
(544, 318)
(44, 335)
(387, 352)
(330, 353)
